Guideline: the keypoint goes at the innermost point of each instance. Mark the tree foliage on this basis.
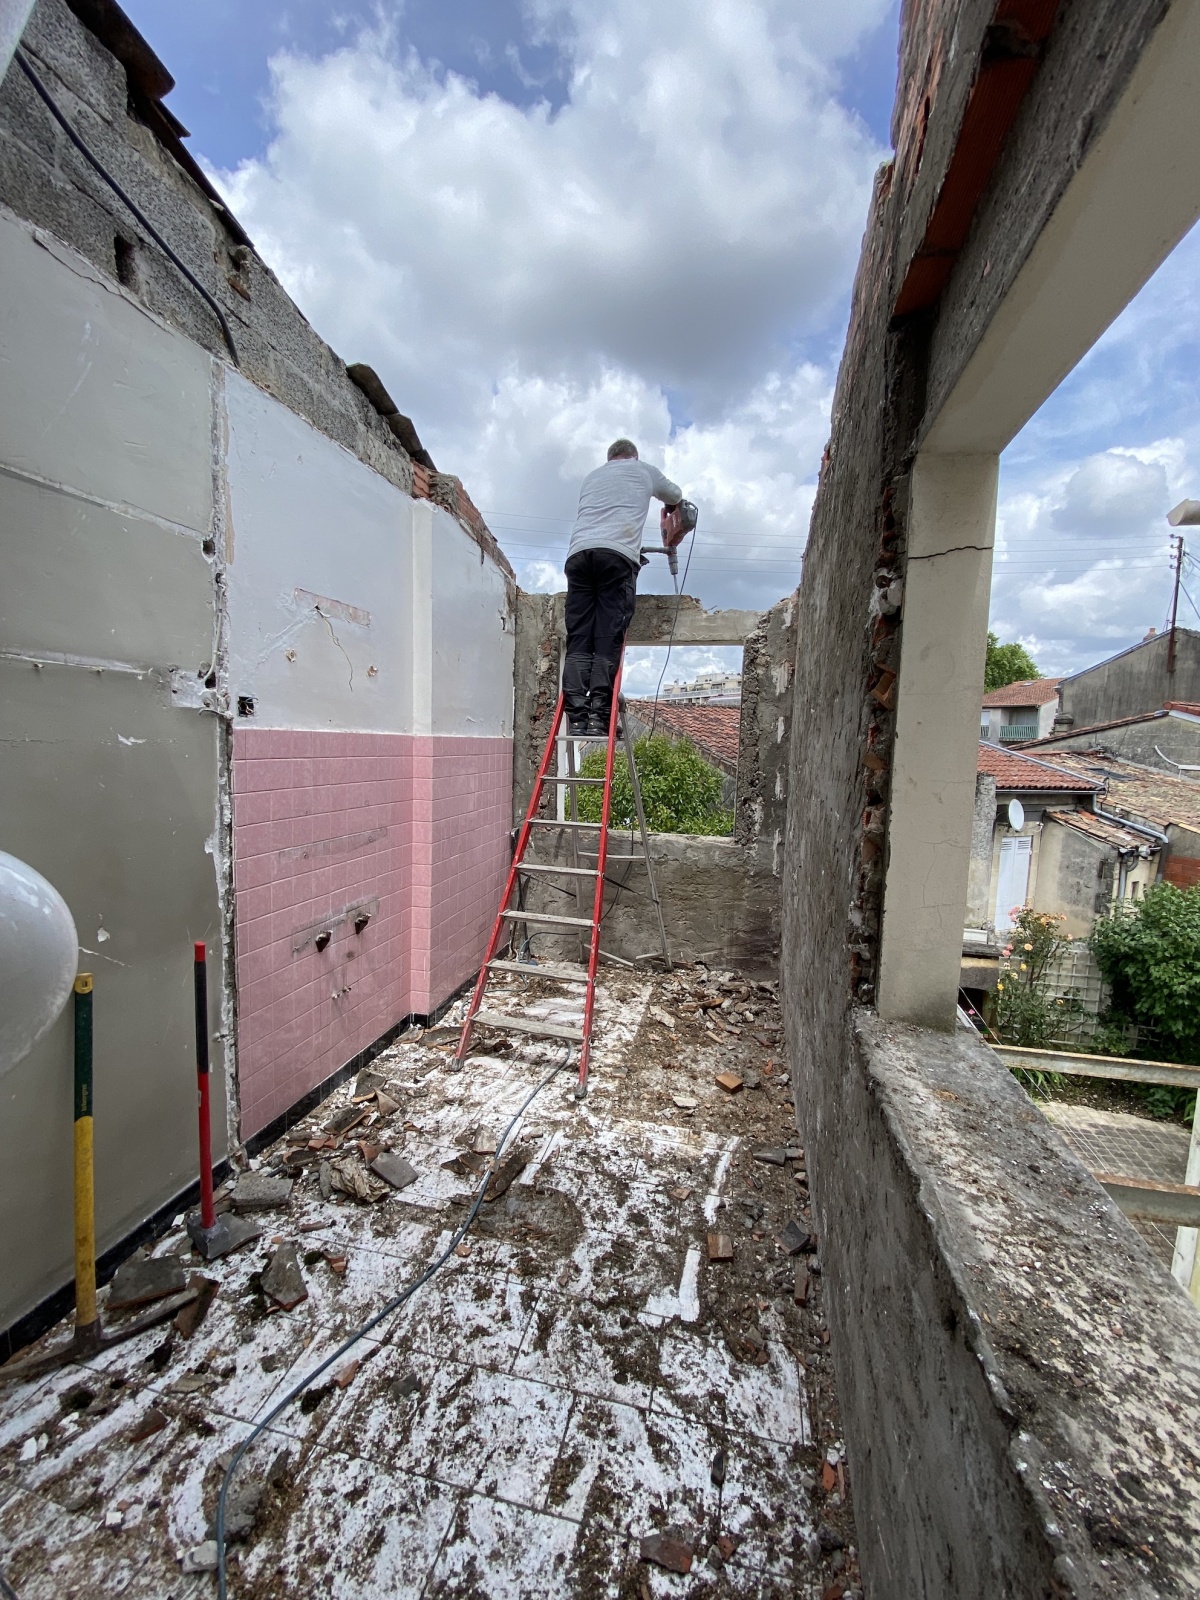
(1150, 954)
(681, 792)
(1007, 663)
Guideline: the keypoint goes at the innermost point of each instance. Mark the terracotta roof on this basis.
(1135, 791)
(1101, 829)
(1012, 771)
(712, 729)
(1028, 692)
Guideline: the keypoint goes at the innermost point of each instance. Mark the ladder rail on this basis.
(589, 1001)
(501, 926)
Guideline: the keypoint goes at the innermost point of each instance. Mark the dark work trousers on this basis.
(601, 585)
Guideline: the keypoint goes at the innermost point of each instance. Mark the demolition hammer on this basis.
(676, 523)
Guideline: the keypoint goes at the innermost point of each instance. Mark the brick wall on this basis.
(1182, 872)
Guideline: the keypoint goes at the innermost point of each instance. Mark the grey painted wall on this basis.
(108, 785)
(1135, 681)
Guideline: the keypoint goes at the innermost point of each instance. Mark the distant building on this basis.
(1143, 678)
(1019, 711)
(1167, 739)
(715, 688)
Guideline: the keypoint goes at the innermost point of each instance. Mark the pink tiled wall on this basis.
(327, 821)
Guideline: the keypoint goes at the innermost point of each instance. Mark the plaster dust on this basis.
(574, 1383)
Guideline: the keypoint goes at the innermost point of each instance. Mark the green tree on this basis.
(1007, 663)
(681, 792)
(1150, 954)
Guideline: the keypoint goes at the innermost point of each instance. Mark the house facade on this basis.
(1019, 711)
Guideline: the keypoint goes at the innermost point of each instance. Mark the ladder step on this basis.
(608, 860)
(573, 872)
(539, 1030)
(552, 822)
(543, 969)
(543, 916)
(550, 778)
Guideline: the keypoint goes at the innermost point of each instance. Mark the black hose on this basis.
(397, 1300)
(92, 161)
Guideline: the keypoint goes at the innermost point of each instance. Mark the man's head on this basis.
(622, 450)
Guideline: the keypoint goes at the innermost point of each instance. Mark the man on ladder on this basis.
(603, 561)
(602, 567)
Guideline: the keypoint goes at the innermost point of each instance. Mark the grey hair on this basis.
(622, 450)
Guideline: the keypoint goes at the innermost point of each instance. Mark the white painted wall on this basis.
(319, 573)
(351, 606)
(474, 636)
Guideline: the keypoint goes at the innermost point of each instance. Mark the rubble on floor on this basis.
(618, 1385)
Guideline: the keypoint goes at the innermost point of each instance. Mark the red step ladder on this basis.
(521, 872)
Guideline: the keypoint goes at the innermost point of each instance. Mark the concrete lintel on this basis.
(654, 615)
(1133, 198)
(943, 646)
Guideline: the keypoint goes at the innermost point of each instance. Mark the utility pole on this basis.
(1178, 565)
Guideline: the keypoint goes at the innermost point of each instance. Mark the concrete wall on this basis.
(1137, 680)
(109, 782)
(1018, 1429)
(1075, 875)
(1175, 735)
(979, 882)
(720, 897)
(974, 1273)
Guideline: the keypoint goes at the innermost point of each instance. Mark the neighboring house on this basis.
(1146, 677)
(1163, 807)
(1019, 711)
(713, 729)
(1167, 739)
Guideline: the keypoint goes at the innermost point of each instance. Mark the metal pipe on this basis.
(208, 1214)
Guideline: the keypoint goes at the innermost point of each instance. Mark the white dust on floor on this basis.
(566, 1403)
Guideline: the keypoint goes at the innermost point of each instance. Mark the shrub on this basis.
(681, 792)
(1150, 954)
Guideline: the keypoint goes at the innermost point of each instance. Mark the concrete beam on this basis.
(655, 614)
(1135, 195)
(951, 529)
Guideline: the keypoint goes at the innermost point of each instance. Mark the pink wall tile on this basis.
(322, 821)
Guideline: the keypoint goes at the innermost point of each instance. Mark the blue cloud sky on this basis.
(548, 221)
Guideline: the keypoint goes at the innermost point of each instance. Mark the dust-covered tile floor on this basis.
(578, 1403)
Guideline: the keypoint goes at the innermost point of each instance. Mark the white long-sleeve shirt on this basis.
(613, 505)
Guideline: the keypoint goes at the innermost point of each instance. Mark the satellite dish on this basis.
(1016, 815)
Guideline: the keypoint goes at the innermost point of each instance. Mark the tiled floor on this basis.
(1126, 1146)
(574, 1376)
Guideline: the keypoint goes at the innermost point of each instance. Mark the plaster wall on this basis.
(1133, 682)
(109, 782)
(1075, 875)
(371, 639)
